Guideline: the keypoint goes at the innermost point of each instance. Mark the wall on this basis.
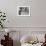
(38, 13)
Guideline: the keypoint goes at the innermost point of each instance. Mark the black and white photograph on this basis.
(23, 11)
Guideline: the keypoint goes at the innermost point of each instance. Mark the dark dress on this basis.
(44, 44)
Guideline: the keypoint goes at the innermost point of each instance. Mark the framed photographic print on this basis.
(23, 10)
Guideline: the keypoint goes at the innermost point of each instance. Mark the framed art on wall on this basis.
(23, 10)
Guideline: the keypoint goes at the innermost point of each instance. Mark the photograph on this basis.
(23, 11)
